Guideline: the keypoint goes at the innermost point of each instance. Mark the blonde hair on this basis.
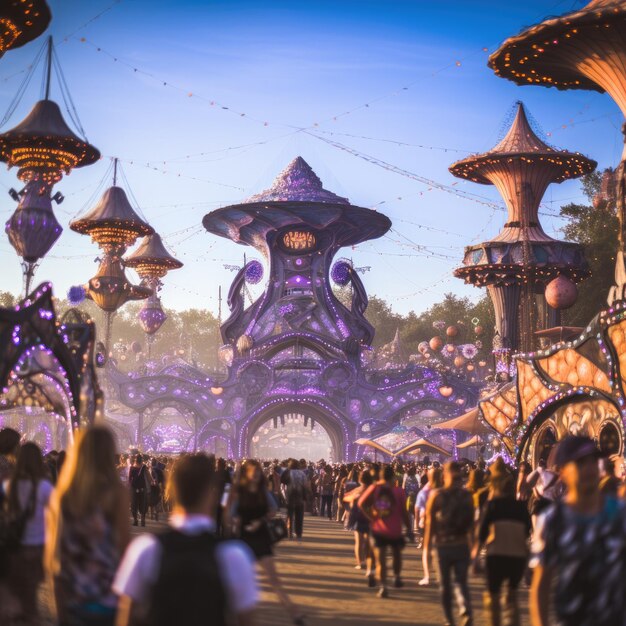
(89, 479)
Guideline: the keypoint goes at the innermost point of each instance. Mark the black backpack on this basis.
(189, 589)
(456, 516)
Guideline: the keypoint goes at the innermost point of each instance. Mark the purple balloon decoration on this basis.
(340, 273)
(76, 295)
(254, 272)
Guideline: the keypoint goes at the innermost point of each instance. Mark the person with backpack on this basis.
(449, 525)
(296, 489)
(186, 575)
(26, 497)
(385, 506)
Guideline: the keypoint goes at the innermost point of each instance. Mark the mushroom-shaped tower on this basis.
(298, 226)
(584, 49)
(22, 21)
(113, 224)
(152, 262)
(151, 259)
(517, 264)
(44, 147)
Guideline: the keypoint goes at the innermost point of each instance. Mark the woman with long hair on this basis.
(27, 494)
(504, 529)
(360, 524)
(251, 506)
(435, 481)
(87, 531)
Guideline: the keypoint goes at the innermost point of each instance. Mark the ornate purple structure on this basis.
(297, 349)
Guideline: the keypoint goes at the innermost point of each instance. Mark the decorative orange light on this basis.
(299, 240)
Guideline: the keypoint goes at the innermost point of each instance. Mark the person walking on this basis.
(157, 486)
(9, 447)
(449, 525)
(26, 496)
(296, 489)
(360, 524)
(86, 531)
(139, 489)
(546, 488)
(385, 506)
(251, 508)
(579, 546)
(434, 481)
(326, 490)
(505, 529)
(186, 575)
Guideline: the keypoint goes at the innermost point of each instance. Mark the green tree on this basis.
(596, 228)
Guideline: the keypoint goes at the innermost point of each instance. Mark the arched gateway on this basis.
(297, 350)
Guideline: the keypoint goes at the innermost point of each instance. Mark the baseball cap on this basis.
(573, 448)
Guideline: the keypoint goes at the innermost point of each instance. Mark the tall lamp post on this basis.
(152, 262)
(114, 226)
(584, 49)
(43, 148)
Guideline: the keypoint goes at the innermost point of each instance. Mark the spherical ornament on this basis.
(340, 272)
(459, 361)
(254, 272)
(135, 347)
(445, 391)
(470, 367)
(478, 330)
(561, 293)
(469, 351)
(452, 331)
(422, 347)
(450, 348)
(225, 355)
(435, 343)
(76, 295)
(244, 344)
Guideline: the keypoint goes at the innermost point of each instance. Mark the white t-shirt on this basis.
(139, 568)
(34, 532)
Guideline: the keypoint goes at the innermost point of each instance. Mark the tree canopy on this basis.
(595, 226)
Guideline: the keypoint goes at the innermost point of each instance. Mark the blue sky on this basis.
(288, 66)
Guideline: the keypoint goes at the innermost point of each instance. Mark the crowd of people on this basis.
(66, 519)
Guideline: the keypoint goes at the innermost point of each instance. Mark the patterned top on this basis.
(89, 559)
(588, 554)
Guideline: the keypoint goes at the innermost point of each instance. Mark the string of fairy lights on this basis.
(313, 130)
